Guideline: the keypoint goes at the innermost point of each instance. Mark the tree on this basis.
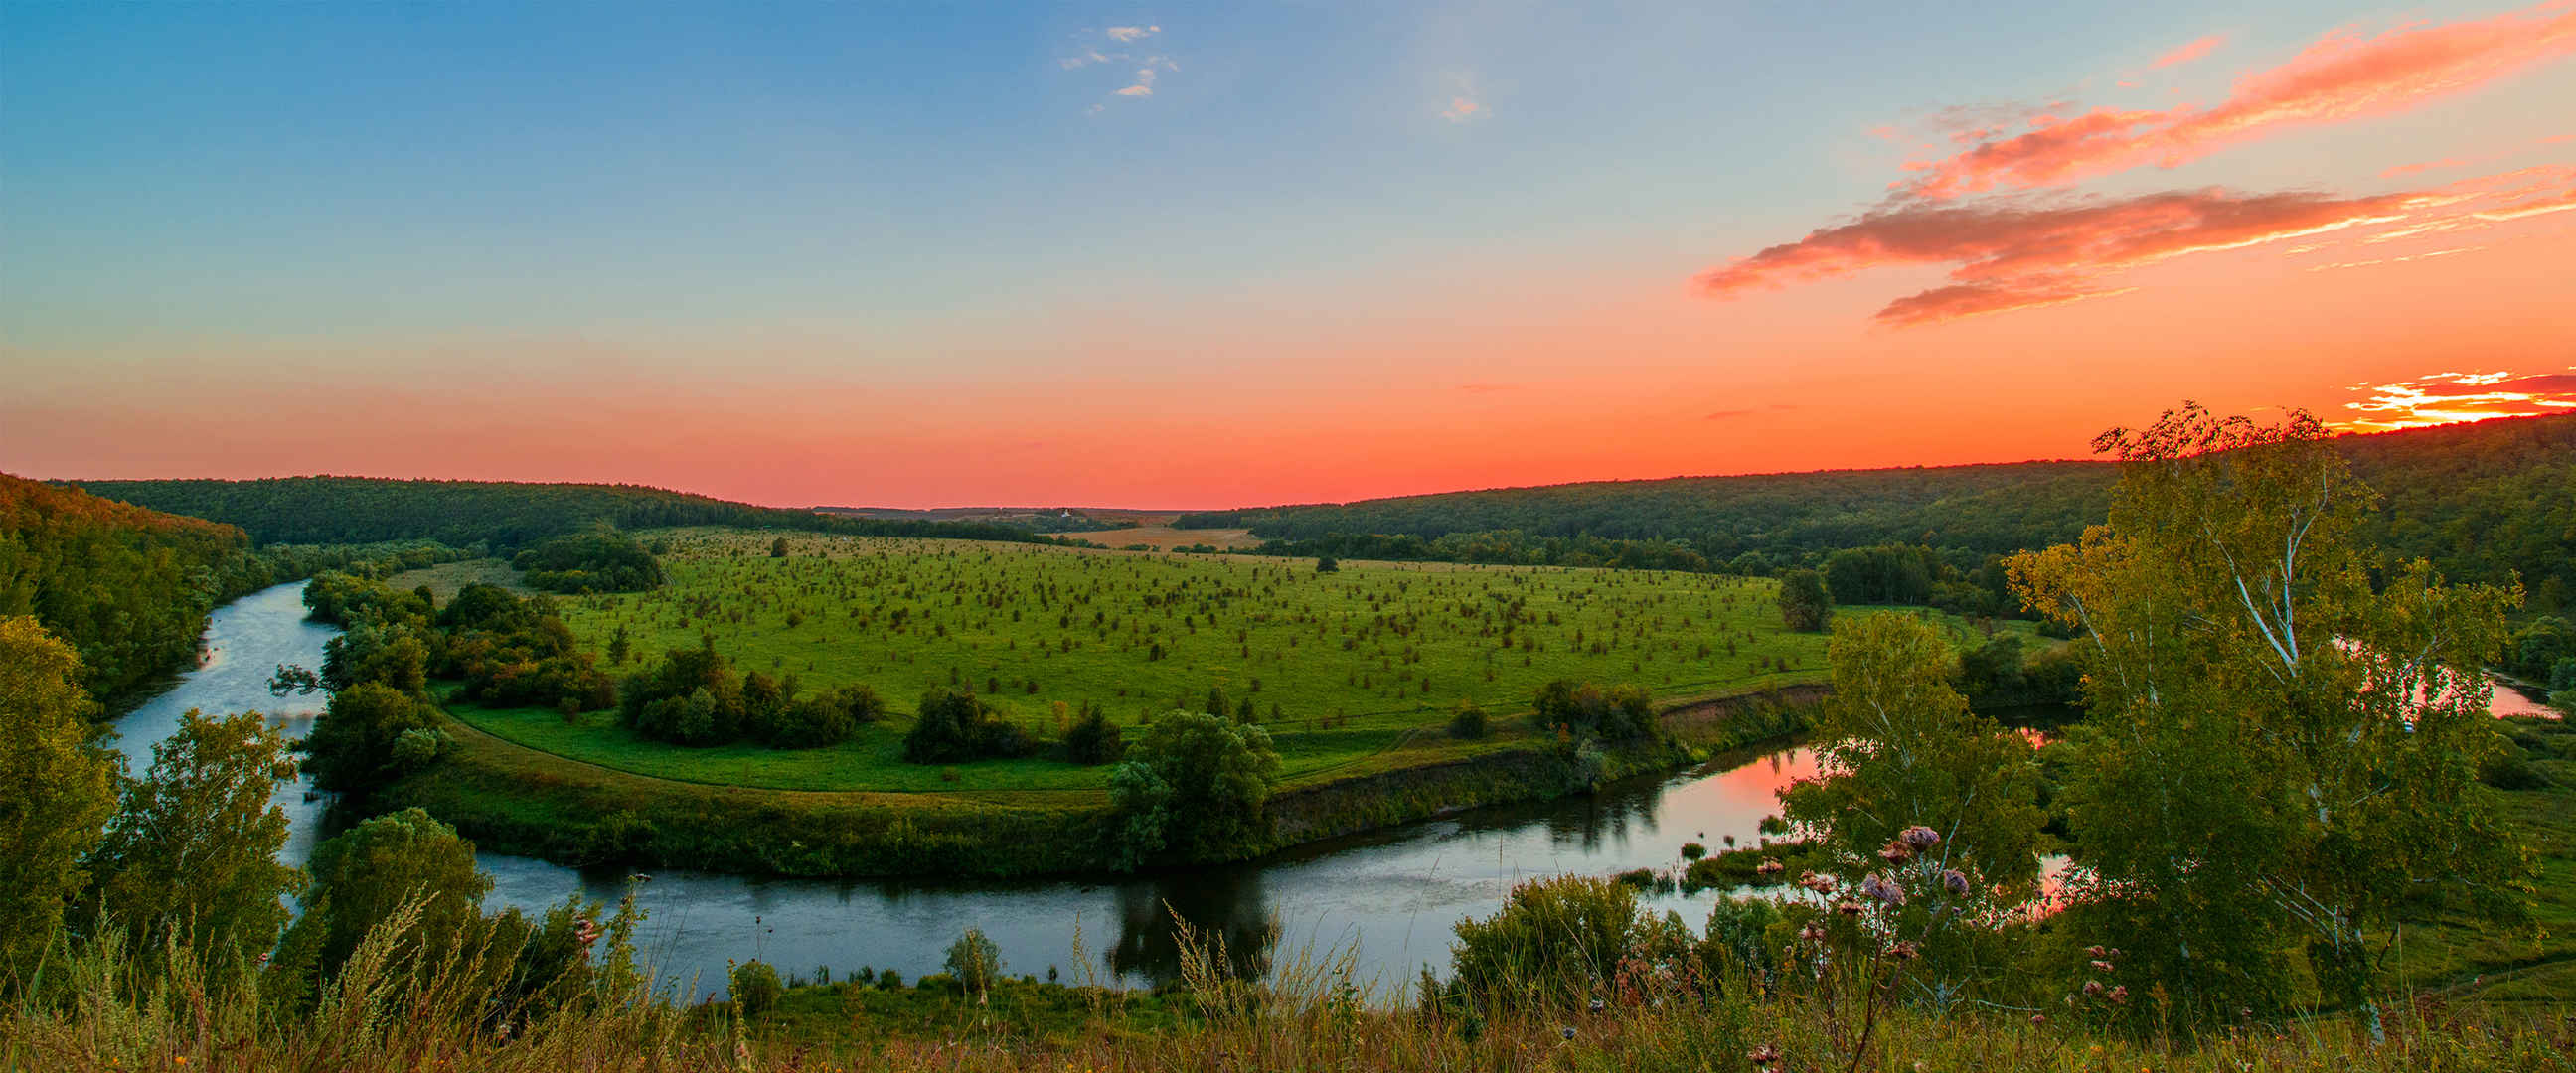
(54, 788)
(366, 874)
(1326, 564)
(192, 852)
(1919, 793)
(1803, 603)
(1093, 739)
(976, 962)
(955, 725)
(1194, 786)
(778, 548)
(352, 743)
(2278, 752)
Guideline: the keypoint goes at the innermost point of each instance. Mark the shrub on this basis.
(1554, 944)
(975, 961)
(756, 989)
(1692, 851)
(2508, 770)
(1619, 713)
(955, 725)
(1093, 739)
(1468, 722)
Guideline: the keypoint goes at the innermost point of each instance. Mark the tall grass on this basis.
(391, 1008)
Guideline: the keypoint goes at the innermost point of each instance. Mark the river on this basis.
(1385, 899)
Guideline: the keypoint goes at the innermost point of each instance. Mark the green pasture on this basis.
(1341, 667)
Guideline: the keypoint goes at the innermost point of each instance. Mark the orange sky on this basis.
(2372, 221)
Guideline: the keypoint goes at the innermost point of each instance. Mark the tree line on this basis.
(494, 515)
(2484, 502)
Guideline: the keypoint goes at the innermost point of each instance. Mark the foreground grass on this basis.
(134, 1021)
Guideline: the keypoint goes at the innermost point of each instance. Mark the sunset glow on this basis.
(829, 254)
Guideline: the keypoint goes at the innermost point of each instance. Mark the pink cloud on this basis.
(2444, 398)
(2020, 252)
(2014, 254)
(2342, 77)
(2190, 52)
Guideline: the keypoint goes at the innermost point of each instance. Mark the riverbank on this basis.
(518, 800)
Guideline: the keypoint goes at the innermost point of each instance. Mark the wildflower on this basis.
(1766, 1054)
(2038, 1019)
(1596, 1005)
(2092, 988)
(1568, 1031)
(1896, 853)
(1813, 932)
(1849, 908)
(1887, 893)
(1956, 881)
(2100, 966)
(1905, 951)
(2120, 995)
(2094, 951)
(1772, 868)
(1920, 837)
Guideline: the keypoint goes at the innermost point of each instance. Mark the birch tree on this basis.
(2281, 750)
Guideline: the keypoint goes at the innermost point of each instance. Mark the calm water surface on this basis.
(1388, 898)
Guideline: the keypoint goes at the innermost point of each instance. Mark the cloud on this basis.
(2019, 253)
(2429, 165)
(2342, 77)
(2447, 398)
(1975, 299)
(1461, 110)
(1142, 85)
(2190, 52)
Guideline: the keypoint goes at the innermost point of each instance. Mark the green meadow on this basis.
(1347, 669)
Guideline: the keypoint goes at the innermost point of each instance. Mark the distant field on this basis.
(446, 578)
(1342, 667)
(1165, 538)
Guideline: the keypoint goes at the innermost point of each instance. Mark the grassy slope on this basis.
(1343, 658)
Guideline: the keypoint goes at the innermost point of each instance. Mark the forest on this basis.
(2483, 501)
(496, 514)
(130, 588)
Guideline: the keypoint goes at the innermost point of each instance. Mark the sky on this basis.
(1207, 256)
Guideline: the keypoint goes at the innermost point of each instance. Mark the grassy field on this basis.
(1345, 669)
(1351, 671)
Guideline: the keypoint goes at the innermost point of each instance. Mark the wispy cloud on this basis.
(2190, 52)
(1461, 110)
(2341, 77)
(2018, 253)
(1103, 49)
(2447, 398)
(2027, 251)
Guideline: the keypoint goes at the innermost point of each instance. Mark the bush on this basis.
(1692, 851)
(1093, 739)
(1619, 713)
(1554, 944)
(975, 961)
(1468, 722)
(2508, 770)
(955, 725)
(756, 989)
